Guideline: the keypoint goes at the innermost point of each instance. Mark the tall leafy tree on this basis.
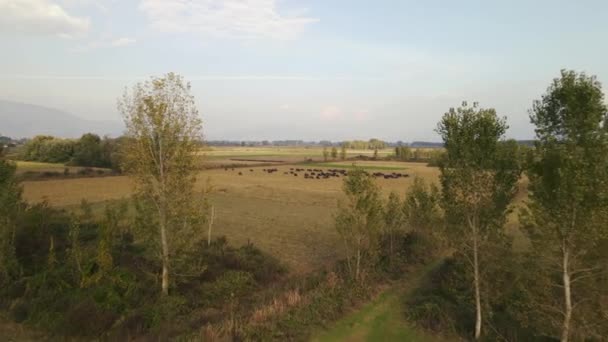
(325, 154)
(10, 207)
(163, 134)
(334, 152)
(568, 197)
(394, 220)
(343, 151)
(87, 151)
(359, 220)
(421, 207)
(477, 186)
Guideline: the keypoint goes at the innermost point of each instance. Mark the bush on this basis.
(230, 285)
(90, 151)
(443, 303)
(411, 249)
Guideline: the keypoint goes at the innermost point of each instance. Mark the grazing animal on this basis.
(240, 173)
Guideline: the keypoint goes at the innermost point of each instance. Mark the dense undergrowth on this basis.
(99, 282)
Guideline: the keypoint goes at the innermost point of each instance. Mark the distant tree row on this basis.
(90, 150)
(372, 144)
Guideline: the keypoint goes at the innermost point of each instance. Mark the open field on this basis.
(288, 216)
(219, 156)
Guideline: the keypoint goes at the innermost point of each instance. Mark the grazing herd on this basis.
(325, 174)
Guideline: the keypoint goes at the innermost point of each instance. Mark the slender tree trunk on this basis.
(210, 225)
(358, 262)
(477, 292)
(349, 263)
(165, 257)
(567, 293)
(391, 248)
(163, 220)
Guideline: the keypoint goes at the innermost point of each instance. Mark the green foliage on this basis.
(48, 149)
(159, 153)
(343, 151)
(436, 157)
(442, 303)
(334, 152)
(359, 220)
(565, 217)
(403, 153)
(478, 176)
(372, 144)
(325, 154)
(479, 172)
(90, 150)
(11, 206)
(422, 207)
(394, 222)
(229, 285)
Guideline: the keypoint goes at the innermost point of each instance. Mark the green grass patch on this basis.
(380, 320)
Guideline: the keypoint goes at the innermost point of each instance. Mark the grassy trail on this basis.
(381, 319)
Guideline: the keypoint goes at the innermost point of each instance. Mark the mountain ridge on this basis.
(24, 120)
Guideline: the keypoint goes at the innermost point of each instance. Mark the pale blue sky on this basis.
(278, 69)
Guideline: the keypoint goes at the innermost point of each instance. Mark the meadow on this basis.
(288, 216)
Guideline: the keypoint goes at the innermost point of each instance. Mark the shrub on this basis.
(231, 284)
(443, 303)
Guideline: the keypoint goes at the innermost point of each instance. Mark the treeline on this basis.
(351, 144)
(371, 144)
(432, 156)
(90, 150)
(553, 285)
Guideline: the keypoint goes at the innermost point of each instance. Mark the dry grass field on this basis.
(30, 166)
(288, 216)
(218, 156)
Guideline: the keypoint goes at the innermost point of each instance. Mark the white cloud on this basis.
(40, 17)
(97, 4)
(236, 19)
(106, 43)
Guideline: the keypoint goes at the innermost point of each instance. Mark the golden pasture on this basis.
(288, 216)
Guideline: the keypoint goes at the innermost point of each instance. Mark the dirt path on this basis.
(381, 319)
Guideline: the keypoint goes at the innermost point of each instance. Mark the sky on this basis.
(307, 69)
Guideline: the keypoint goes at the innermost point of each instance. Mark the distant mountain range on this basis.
(21, 120)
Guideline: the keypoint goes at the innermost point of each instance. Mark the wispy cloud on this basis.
(100, 5)
(235, 19)
(40, 17)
